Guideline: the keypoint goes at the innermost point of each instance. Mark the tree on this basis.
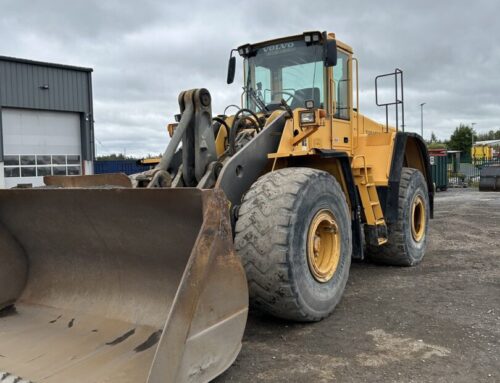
(114, 157)
(491, 135)
(433, 138)
(461, 139)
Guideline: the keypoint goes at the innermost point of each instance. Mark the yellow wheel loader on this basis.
(148, 278)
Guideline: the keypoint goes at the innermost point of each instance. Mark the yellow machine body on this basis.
(112, 278)
(482, 152)
(369, 145)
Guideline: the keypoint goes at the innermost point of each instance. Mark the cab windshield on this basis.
(290, 70)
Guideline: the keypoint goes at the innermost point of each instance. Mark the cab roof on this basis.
(330, 36)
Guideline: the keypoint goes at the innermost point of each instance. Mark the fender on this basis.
(357, 232)
(404, 144)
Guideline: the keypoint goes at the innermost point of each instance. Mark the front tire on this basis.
(407, 237)
(293, 234)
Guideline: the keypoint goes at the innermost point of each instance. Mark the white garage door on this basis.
(39, 143)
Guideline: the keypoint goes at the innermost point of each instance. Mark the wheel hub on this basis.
(418, 219)
(323, 246)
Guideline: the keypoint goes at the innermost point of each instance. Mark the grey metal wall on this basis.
(36, 85)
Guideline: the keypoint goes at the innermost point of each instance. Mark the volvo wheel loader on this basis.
(148, 278)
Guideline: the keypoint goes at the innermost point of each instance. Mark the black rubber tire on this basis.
(271, 238)
(401, 249)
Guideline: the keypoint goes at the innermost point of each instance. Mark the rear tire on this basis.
(293, 234)
(407, 237)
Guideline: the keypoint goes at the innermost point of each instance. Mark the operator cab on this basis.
(290, 73)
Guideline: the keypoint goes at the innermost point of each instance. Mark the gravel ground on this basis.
(436, 322)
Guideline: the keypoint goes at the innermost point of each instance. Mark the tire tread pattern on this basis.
(270, 203)
(394, 253)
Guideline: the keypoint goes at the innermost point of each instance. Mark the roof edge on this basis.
(43, 63)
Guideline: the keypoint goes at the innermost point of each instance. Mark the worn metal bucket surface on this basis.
(118, 285)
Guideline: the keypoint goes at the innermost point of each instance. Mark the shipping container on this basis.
(439, 166)
(119, 166)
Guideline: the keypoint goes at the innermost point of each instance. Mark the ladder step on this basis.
(370, 200)
(361, 167)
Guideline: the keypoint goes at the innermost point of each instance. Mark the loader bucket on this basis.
(121, 285)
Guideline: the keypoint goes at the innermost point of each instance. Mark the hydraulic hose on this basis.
(236, 124)
(222, 122)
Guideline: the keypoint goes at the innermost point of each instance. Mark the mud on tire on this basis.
(272, 235)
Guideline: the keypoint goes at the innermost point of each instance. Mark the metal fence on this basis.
(467, 174)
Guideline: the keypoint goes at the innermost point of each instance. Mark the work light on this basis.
(307, 118)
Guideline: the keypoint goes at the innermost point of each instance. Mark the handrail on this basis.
(398, 86)
(334, 96)
(354, 59)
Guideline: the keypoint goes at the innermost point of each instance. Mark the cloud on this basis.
(144, 53)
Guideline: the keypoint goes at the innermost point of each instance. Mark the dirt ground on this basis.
(436, 322)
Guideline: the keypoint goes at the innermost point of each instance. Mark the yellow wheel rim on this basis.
(323, 246)
(418, 219)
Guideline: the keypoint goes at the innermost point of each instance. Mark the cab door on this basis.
(341, 115)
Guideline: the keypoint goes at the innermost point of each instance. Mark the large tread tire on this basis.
(271, 238)
(401, 248)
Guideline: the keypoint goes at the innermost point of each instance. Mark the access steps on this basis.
(363, 178)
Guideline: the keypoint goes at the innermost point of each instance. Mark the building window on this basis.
(11, 172)
(73, 170)
(28, 160)
(59, 170)
(11, 160)
(42, 171)
(43, 160)
(28, 171)
(73, 160)
(30, 165)
(59, 160)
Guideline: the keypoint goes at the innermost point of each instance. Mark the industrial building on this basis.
(46, 121)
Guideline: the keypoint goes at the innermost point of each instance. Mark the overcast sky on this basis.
(145, 52)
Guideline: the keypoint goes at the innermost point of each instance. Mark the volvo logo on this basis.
(278, 48)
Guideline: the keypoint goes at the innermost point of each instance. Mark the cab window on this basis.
(263, 83)
(341, 86)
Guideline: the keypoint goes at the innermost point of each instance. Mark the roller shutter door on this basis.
(39, 143)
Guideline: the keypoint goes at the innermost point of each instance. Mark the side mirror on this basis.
(231, 69)
(330, 53)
